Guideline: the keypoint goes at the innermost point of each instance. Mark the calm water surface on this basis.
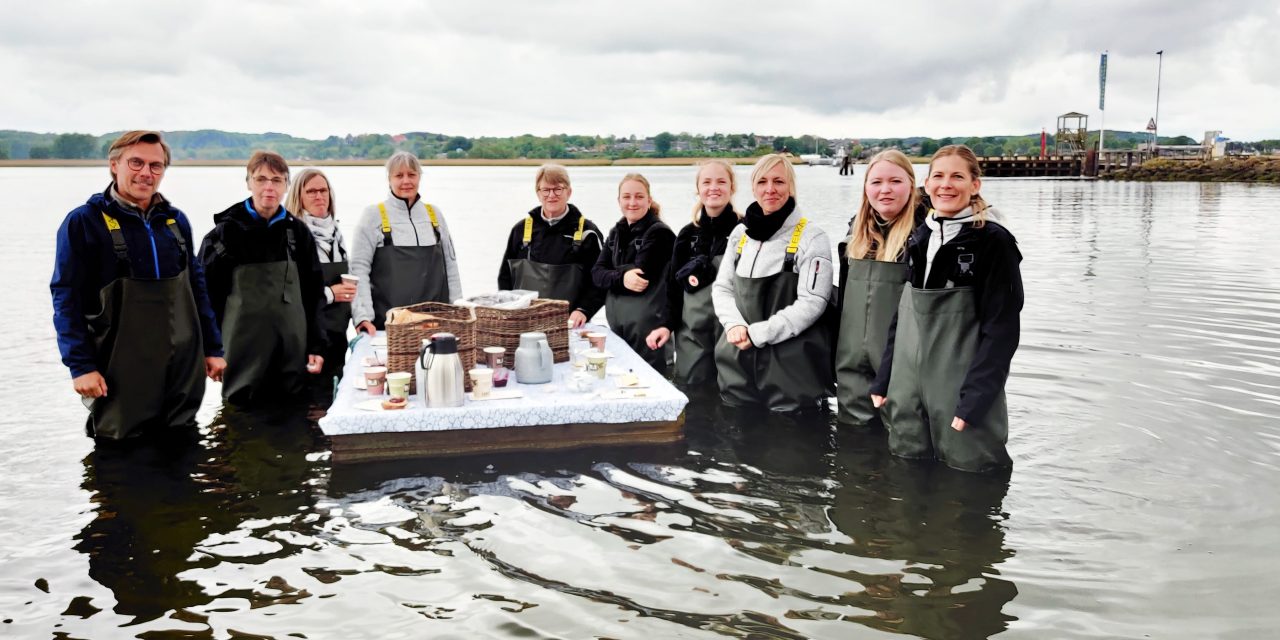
(1143, 401)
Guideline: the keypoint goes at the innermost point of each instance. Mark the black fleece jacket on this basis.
(245, 238)
(987, 259)
(647, 244)
(554, 245)
(696, 246)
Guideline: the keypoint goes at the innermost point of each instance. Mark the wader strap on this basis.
(431, 213)
(435, 224)
(291, 242)
(577, 235)
(172, 226)
(528, 235)
(386, 226)
(742, 242)
(789, 262)
(117, 243)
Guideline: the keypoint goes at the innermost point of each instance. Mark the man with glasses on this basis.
(266, 287)
(552, 249)
(134, 322)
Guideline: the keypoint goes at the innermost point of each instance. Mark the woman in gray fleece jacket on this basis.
(772, 290)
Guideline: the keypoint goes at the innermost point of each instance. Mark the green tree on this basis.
(4, 150)
(74, 146)
(928, 146)
(662, 143)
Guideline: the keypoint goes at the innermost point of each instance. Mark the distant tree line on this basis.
(209, 144)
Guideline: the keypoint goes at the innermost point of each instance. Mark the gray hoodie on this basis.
(408, 229)
(759, 259)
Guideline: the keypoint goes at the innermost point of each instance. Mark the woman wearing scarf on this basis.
(311, 200)
(772, 290)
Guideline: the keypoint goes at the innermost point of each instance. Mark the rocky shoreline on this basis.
(1235, 169)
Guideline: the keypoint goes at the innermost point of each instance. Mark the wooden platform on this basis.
(365, 447)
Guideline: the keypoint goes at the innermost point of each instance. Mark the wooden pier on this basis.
(1090, 164)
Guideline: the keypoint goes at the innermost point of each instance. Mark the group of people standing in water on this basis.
(913, 325)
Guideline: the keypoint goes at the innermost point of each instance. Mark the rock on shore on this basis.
(1235, 169)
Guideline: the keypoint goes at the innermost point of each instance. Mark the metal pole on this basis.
(1102, 106)
(1155, 135)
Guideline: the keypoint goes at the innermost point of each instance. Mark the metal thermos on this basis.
(439, 372)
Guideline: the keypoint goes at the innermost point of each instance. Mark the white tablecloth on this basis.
(542, 404)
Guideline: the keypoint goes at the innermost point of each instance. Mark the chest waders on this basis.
(334, 319)
(871, 294)
(697, 335)
(149, 349)
(633, 315)
(936, 340)
(555, 281)
(264, 330)
(401, 276)
(791, 375)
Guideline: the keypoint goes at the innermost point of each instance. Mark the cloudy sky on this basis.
(861, 69)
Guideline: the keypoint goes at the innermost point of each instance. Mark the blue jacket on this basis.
(86, 262)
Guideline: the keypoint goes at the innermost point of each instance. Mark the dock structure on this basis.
(1065, 166)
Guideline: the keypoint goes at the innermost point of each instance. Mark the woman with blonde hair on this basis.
(874, 272)
(311, 200)
(403, 252)
(699, 248)
(632, 268)
(770, 294)
(941, 381)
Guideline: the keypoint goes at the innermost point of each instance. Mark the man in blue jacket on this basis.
(130, 308)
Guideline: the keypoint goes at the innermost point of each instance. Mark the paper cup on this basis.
(375, 380)
(481, 382)
(596, 362)
(398, 384)
(348, 278)
(597, 340)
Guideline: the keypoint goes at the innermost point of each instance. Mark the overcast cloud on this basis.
(835, 69)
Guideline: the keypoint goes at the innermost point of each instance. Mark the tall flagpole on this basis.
(1155, 133)
(1102, 103)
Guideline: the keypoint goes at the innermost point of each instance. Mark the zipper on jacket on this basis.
(752, 272)
(155, 256)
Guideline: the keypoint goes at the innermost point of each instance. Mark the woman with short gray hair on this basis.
(402, 250)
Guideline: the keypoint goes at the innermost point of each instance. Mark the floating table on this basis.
(548, 416)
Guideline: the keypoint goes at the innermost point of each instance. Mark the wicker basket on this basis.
(404, 341)
(502, 327)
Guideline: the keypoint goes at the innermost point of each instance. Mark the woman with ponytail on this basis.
(633, 267)
(875, 270)
(699, 249)
(941, 381)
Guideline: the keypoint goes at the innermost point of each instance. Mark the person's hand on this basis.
(737, 336)
(577, 319)
(877, 401)
(634, 281)
(90, 385)
(958, 424)
(213, 367)
(367, 328)
(657, 338)
(343, 292)
(314, 363)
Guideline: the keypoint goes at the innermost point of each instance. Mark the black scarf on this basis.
(711, 230)
(762, 227)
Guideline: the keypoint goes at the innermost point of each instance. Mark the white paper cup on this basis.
(481, 382)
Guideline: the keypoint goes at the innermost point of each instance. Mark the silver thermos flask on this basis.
(440, 381)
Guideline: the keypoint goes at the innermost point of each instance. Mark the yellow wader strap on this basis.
(386, 225)
(742, 242)
(528, 232)
(577, 235)
(117, 242)
(789, 262)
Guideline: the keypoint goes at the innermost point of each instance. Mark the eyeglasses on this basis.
(263, 181)
(316, 192)
(546, 191)
(137, 164)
